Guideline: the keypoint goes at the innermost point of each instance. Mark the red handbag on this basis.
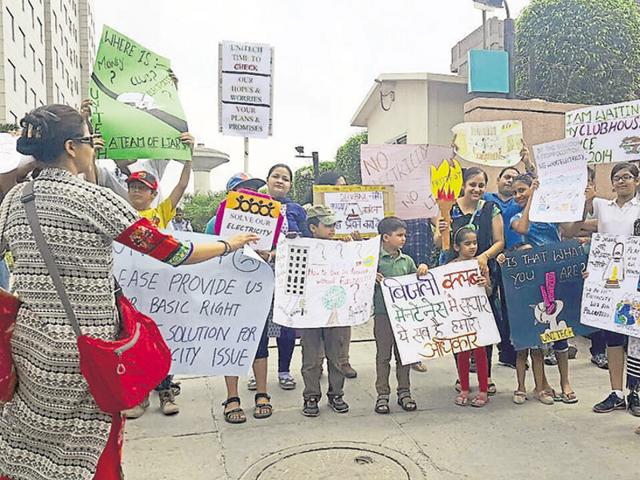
(120, 373)
(9, 305)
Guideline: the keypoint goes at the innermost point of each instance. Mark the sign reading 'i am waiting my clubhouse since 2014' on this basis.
(245, 89)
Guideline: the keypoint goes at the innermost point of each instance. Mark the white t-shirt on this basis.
(615, 219)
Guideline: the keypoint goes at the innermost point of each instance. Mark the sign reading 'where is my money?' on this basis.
(136, 107)
(245, 89)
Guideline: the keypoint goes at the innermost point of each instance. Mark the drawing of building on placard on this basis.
(291, 272)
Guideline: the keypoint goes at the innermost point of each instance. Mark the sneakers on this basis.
(550, 357)
(633, 401)
(338, 404)
(252, 385)
(348, 371)
(168, 403)
(573, 352)
(286, 381)
(507, 364)
(600, 360)
(609, 404)
(138, 410)
(311, 408)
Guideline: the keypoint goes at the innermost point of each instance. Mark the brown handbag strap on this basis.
(28, 199)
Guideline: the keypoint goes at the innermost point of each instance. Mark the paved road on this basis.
(439, 441)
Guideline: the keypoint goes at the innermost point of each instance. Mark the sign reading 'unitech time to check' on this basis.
(245, 90)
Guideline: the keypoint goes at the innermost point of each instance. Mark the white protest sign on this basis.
(358, 208)
(444, 313)
(562, 171)
(324, 283)
(496, 144)
(211, 314)
(10, 159)
(250, 212)
(245, 91)
(408, 169)
(610, 299)
(609, 133)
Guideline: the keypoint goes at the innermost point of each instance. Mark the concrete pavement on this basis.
(439, 441)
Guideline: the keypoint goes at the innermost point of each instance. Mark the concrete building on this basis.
(413, 108)
(45, 46)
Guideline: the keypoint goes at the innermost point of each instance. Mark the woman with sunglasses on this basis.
(472, 211)
(52, 428)
(617, 217)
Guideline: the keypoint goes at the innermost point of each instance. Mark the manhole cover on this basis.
(346, 460)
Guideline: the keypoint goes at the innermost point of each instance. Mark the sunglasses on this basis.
(87, 140)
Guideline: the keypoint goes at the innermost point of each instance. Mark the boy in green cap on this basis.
(322, 224)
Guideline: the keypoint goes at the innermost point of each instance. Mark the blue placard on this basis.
(543, 290)
(488, 71)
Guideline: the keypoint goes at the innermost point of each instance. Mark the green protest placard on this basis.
(136, 106)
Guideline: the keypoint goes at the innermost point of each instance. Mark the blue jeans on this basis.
(4, 275)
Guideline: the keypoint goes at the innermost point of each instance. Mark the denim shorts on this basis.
(614, 339)
(560, 346)
(263, 345)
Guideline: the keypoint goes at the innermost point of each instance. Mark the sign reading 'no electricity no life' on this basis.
(245, 92)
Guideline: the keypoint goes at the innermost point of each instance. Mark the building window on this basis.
(55, 52)
(35, 99)
(55, 22)
(14, 74)
(13, 25)
(57, 93)
(41, 30)
(26, 89)
(13, 117)
(33, 57)
(41, 71)
(399, 140)
(23, 5)
(24, 43)
(63, 100)
(33, 15)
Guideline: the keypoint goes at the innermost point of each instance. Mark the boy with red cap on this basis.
(143, 189)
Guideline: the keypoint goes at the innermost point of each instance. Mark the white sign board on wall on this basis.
(245, 89)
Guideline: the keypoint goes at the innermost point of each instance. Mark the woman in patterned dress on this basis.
(52, 429)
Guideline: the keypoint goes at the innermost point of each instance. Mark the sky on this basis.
(327, 55)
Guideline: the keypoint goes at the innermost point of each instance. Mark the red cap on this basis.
(145, 178)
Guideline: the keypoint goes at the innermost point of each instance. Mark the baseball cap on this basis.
(244, 180)
(145, 178)
(325, 215)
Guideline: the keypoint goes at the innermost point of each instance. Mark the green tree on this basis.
(303, 180)
(199, 208)
(348, 157)
(579, 51)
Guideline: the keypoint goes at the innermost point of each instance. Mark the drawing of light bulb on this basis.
(614, 274)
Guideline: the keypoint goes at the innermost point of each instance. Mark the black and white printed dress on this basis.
(52, 429)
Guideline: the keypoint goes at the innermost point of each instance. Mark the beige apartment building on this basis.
(47, 50)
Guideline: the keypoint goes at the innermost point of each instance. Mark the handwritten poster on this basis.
(562, 171)
(611, 300)
(543, 287)
(211, 314)
(408, 169)
(495, 144)
(245, 89)
(444, 313)
(324, 283)
(250, 212)
(609, 133)
(136, 107)
(10, 159)
(358, 208)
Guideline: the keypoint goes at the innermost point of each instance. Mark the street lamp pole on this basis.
(315, 159)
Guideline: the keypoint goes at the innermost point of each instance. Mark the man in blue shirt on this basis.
(508, 208)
